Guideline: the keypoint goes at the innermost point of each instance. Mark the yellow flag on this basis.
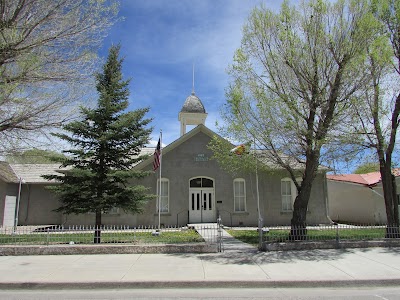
(239, 150)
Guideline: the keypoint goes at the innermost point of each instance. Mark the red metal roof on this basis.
(368, 179)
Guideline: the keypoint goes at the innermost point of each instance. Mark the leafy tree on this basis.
(47, 54)
(367, 167)
(292, 80)
(34, 156)
(377, 113)
(107, 143)
(231, 162)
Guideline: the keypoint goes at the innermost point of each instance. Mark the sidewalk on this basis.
(240, 265)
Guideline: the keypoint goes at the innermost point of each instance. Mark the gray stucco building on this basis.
(194, 188)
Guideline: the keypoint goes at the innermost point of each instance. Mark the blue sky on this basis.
(162, 39)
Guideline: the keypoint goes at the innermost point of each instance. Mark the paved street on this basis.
(367, 293)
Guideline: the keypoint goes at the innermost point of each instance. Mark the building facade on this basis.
(194, 188)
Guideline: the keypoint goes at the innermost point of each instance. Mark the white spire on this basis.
(193, 81)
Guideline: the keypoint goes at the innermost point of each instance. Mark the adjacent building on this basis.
(358, 198)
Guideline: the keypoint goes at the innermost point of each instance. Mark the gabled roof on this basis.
(368, 179)
(7, 174)
(261, 154)
(179, 141)
(32, 173)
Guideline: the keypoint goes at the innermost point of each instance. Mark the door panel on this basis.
(195, 206)
(208, 215)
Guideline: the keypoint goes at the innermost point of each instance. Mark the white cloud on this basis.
(162, 38)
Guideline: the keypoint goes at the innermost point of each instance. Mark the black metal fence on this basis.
(333, 232)
(53, 235)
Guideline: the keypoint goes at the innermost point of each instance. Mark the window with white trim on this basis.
(239, 194)
(164, 197)
(288, 194)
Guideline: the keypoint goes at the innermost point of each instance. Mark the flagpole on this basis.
(159, 196)
(260, 220)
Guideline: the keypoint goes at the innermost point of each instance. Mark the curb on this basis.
(198, 284)
(106, 249)
(345, 244)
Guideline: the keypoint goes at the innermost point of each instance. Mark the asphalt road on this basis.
(373, 293)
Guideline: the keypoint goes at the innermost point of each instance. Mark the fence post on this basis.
(337, 235)
(219, 237)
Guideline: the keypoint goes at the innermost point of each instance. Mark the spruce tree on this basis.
(105, 144)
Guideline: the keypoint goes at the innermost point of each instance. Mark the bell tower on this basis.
(192, 112)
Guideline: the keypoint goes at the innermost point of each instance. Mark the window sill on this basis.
(167, 214)
(237, 213)
(286, 212)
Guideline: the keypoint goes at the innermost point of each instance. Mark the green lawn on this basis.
(281, 235)
(166, 237)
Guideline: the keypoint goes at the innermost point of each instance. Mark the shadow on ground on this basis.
(258, 257)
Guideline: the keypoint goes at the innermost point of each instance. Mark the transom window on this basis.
(201, 182)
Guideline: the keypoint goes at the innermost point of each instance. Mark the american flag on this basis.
(157, 153)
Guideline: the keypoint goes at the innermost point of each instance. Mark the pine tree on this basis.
(106, 144)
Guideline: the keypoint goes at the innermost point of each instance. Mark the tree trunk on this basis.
(390, 196)
(298, 223)
(396, 201)
(97, 230)
(298, 229)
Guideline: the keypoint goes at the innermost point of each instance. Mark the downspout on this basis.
(18, 201)
(28, 204)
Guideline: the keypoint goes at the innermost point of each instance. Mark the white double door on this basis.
(201, 205)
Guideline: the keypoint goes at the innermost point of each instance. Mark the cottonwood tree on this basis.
(292, 79)
(106, 144)
(47, 53)
(367, 167)
(377, 109)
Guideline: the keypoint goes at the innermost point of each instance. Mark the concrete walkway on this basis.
(230, 244)
(209, 233)
(240, 265)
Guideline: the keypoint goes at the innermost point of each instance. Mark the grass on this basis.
(282, 235)
(166, 237)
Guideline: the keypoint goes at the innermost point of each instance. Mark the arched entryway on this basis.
(201, 200)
